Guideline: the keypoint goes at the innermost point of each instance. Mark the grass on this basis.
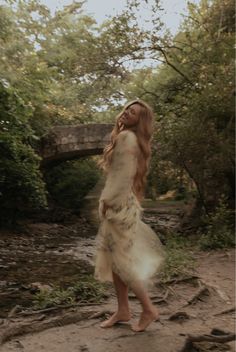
(219, 232)
(214, 238)
(87, 289)
(179, 260)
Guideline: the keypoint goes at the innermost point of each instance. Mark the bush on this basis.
(21, 184)
(219, 232)
(51, 298)
(179, 261)
(68, 183)
(86, 289)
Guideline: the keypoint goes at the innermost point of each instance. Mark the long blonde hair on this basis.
(143, 131)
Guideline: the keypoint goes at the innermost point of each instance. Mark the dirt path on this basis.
(216, 270)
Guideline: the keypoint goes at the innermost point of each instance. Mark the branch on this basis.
(169, 63)
(201, 196)
(149, 92)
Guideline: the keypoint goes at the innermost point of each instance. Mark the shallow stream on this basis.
(53, 254)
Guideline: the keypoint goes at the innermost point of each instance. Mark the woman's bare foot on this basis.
(115, 318)
(145, 320)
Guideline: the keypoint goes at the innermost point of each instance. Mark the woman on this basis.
(129, 253)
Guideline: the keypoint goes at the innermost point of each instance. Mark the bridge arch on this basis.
(63, 143)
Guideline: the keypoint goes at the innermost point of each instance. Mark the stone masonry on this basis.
(71, 142)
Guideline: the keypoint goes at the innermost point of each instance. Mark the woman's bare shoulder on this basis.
(127, 135)
(127, 142)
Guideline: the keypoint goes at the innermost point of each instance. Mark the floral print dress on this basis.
(125, 244)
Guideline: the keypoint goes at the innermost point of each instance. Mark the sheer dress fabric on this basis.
(124, 243)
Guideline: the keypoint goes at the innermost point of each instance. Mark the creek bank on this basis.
(56, 254)
(181, 316)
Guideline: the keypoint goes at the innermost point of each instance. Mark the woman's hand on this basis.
(104, 208)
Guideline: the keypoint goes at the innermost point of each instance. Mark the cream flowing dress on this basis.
(124, 243)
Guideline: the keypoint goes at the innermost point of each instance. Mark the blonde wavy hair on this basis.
(143, 130)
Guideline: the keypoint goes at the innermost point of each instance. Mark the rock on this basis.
(37, 286)
(3, 283)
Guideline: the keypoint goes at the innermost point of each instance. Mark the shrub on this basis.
(179, 261)
(21, 184)
(68, 183)
(219, 232)
(86, 289)
(50, 298)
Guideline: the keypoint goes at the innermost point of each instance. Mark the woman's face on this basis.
(130, 116)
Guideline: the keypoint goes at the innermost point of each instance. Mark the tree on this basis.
(195, 110)
(21, 185)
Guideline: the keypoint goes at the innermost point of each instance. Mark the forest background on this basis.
(64, 68)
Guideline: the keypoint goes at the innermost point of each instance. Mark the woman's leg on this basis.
(123, 313)
(149, 313)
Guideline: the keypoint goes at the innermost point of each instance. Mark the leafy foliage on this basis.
(67, 66)
(86, 289)
(21, 184)
(50, 298)
(67, 69)
(192, 95)
(179, 261)
(219, 232)
(68, 183)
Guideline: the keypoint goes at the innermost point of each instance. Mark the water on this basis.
(52, 254)
(44, 254)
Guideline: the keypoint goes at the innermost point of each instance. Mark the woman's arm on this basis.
(122, 170)
(105, 206)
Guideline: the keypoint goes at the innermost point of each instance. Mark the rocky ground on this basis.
(55, 253)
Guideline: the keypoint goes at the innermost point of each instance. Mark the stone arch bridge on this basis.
(71, 142)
